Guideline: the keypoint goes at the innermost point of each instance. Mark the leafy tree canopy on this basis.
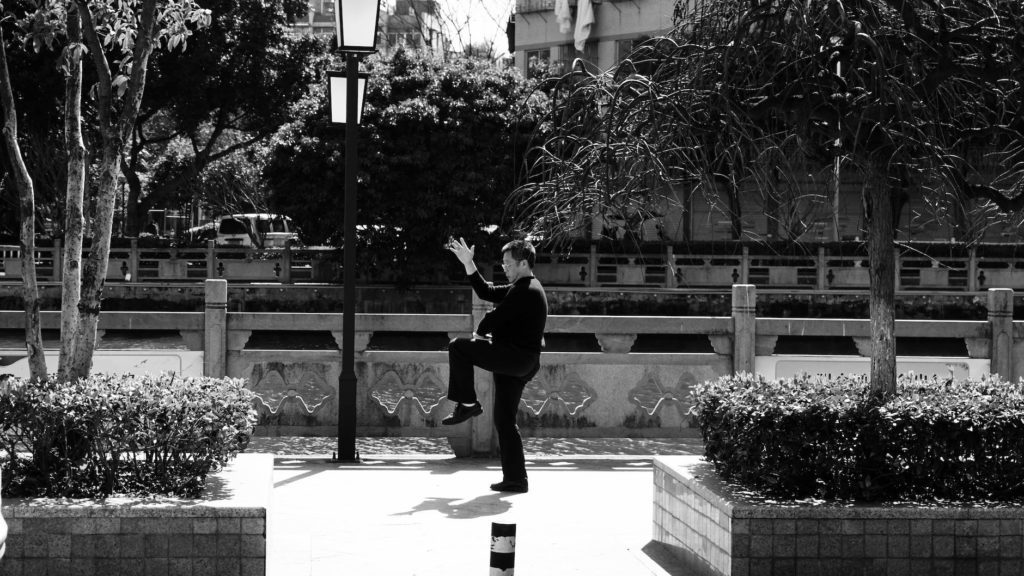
(233, 88)
(440, 144)
(911, 94)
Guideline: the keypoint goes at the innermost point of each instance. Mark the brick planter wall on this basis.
(712, 530)
(223, 533)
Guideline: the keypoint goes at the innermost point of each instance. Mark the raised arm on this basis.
(483, 288)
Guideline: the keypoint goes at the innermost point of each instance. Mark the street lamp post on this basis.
(356, 28)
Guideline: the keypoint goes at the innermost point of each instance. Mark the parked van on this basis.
(260, 230)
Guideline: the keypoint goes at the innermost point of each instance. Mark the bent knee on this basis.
(458, 344)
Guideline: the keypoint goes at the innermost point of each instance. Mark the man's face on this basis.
(514, 269)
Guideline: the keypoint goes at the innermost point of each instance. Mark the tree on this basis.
(439, 147)
(896, 90)
(38, 101)
(15, 165)
(232, 90)
(118, 38)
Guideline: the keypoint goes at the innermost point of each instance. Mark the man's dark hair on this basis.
(521, 250)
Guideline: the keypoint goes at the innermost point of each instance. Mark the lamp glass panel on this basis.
(339, 99)
(358, 23)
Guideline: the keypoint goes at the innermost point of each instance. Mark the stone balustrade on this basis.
(619, 387)
(838, 267)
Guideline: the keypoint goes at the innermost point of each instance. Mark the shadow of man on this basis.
(457, 508)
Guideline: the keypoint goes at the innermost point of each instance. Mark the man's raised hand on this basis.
(463, 252)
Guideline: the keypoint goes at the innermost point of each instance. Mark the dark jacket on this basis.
(520, 315)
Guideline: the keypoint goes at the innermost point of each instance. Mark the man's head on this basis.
(517, 259)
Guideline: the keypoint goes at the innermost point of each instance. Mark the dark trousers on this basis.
(512, 369)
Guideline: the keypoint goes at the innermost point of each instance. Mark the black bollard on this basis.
(503, 549)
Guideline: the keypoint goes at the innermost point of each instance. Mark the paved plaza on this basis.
(426, 513)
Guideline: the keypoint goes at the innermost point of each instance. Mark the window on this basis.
(404, 39)
(538, 62)
(590, 57)
(623, 48)
(233, 226)
(567, 53)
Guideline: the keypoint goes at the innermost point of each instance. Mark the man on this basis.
(507, 342)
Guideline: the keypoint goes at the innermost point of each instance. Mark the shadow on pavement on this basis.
(661, 555)
(487, 505)
(373, 447)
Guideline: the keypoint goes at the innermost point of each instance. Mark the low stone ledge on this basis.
(223, 532)
(712, 529)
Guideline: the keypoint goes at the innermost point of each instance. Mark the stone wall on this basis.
(712, 529)
(224, 533)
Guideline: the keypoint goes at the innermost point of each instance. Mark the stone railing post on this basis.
(215, 334)
(1000, 318)
(58, 262)
(897, 259)
(592, 265)
(744, 301)
(286, 265)
(670, 267)
(744, 267)
(133, 260)
(822, 269)
(483, 441)
(972, 270)
(211, 259)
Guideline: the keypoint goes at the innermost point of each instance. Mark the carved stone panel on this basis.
(978, 347)
(362, 340)
(661, 405)
(291, 394)
(721, 344)
(863, 346)
(616, 343)
(238, 338)
(556, 397)
(765, 345)
(412, 383)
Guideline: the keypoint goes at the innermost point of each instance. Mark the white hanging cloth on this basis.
(563, 16)
(584, 20)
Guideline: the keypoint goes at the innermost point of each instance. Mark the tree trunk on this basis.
(71, 288)
(881, 235)
(115, 131)
(133, 218)
(94, 277)
(27, 213)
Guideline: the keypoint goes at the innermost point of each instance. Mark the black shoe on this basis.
(511, 486)
(462, 413)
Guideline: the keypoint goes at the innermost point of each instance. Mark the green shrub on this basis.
(122, 434)
(810, 437)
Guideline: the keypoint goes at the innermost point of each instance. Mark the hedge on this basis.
(935, 440)
(124, 434)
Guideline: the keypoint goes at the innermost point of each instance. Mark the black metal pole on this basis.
(347, 380)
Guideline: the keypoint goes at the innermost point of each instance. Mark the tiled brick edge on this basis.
(712, 530)
(212, 536)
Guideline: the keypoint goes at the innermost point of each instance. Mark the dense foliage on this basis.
(808, 437)
(750, 100)
(122, 434)
(227, 95)
(440, 143)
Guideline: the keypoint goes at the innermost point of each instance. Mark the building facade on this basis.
(403, 23)
(548, 42)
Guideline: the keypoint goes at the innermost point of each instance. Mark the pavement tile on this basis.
(581, 516)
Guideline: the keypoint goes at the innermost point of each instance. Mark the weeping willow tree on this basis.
(756, 94)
